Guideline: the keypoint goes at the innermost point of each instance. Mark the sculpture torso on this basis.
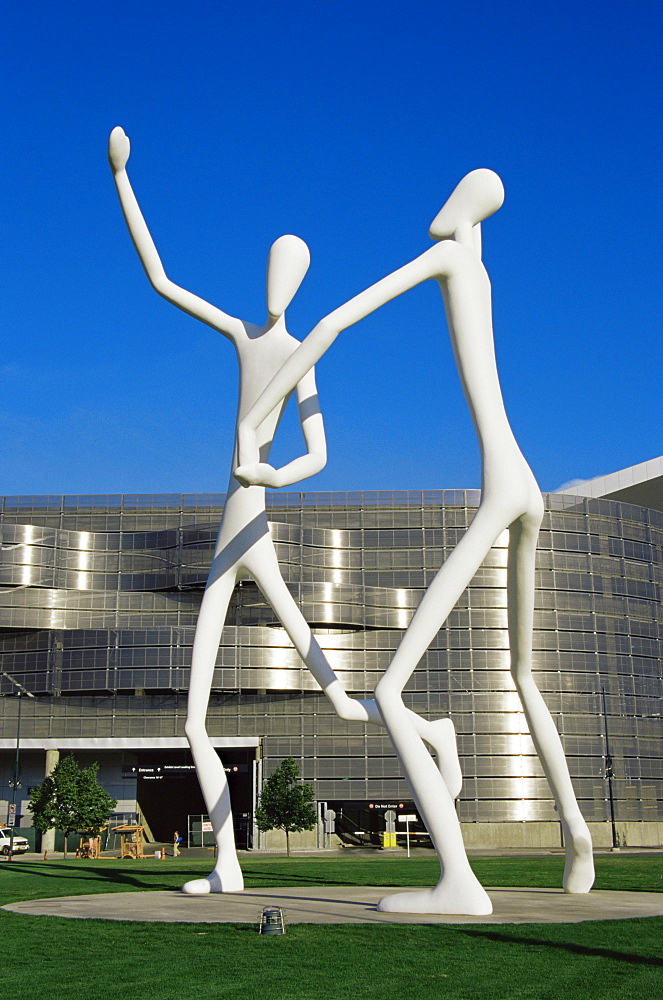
(260, 353)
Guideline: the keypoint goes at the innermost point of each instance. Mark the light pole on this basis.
(15, 782)
(609, 773)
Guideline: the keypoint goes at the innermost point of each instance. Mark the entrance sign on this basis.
(407, 819)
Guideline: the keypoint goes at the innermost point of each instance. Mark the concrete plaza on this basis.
(340, 905)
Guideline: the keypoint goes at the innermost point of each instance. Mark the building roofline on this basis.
(640, 484)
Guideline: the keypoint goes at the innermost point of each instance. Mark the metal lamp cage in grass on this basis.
(272, 920)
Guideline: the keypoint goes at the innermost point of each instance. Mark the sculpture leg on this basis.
(265, 571)
(227, 875)
(579, 867)
(440, 733)
(458, 890)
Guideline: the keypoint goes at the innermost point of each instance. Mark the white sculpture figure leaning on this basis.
(244, 548)
(510, 499)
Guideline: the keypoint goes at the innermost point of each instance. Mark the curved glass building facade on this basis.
(98, 603)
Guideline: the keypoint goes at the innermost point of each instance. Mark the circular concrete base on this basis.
(341, 905)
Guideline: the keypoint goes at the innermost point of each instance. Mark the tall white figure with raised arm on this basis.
(510, 499)
(244, 548)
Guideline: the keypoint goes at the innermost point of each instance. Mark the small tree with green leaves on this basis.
(71, 799)
(285, 802)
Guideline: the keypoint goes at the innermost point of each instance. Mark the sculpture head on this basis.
(288, 262)
(478, 195)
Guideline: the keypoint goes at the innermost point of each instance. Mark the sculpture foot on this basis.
(214, 882)
(579, 867)
(441, 736)
(352, 709)
(467, 900)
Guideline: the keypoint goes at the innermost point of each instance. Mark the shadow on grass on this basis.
(575, 949)
(94, 874)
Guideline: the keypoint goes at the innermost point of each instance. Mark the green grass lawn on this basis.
(78, 960)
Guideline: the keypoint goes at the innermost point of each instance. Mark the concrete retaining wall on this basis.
(498, 836)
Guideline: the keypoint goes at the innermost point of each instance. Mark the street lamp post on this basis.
(15, 782)
(16, 779)
(609, 773)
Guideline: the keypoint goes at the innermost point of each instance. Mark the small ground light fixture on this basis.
(271, 920)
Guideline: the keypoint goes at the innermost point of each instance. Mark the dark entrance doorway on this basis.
(167, 791)
(362, 823)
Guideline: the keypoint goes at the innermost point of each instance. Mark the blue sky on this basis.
(347, 123)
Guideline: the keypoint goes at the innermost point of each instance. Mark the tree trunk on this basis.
(287, 842)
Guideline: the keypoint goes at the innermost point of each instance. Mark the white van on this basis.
(20, 843)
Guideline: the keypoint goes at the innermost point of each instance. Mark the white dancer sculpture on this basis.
(244, 548)
(510, 499)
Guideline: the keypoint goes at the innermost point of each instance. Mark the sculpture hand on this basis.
(119, 149)
(257, 474)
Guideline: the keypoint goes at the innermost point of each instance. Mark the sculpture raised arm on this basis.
(314, 346)
(478, 195)
(119, 149)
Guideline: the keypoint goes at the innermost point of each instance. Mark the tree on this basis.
(70, 799)
(285, 803)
